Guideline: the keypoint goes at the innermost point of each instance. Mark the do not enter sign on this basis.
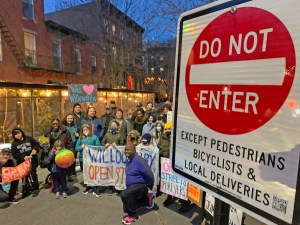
(226, 81)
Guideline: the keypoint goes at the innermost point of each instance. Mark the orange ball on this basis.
(64, 158)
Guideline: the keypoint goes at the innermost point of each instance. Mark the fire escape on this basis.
(12, 43)
(40, 62)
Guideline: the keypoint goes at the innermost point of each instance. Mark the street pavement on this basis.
(82, 209)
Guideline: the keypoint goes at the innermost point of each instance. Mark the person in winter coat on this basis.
(68, 121)
(165, 109)
(125, 125)
(78, 115)
(107, 117)
(150, 125)
(59, 174)
(113, 137)
(95, 123)
(158, 132)
(5, 161)
(140, 120)
(139, 178)
(58, 131)
(23, 148)
(86, 138)
(134, 137)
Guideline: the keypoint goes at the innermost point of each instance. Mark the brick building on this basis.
(103, 49)
(110, 30)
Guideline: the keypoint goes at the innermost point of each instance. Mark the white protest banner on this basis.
(171, 183)
(104, 167)
(235, 216)
(151, 155)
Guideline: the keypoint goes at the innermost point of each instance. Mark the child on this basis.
(59, 174)
(87, 138)
(25, 147)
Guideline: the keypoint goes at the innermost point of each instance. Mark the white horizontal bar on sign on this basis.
(249, 72)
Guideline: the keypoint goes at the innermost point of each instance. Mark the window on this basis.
(105, 23)
(1, 58)
(30, 48)
(56, 47)
(94, 64)
(113, 28)
(122, 56)
(152, 70)
(103, 67)
(78, 60)
(114, 51)
(161, 69)
(121, 34)
(28, 10)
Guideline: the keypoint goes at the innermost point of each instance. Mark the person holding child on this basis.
(59, 174)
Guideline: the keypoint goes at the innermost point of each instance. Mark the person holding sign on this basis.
(5, 161)
(139, 178)
(23, 148)
(86, 137)
(113, 137)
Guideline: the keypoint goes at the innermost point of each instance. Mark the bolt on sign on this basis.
(237, 114)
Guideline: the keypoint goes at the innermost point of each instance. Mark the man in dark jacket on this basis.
(106, 118)
(25, 147)
(5, 161)
(78, 115)
(139, 178)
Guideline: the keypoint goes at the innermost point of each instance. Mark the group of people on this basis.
(77, 129)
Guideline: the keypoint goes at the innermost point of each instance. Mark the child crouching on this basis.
(59, 174)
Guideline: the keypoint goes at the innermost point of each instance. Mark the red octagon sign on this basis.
(224, 95)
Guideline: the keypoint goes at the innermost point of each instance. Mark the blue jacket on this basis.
(148, 128)
(72, 130)
(55, 168)
(138, 172)
(99, 127)
(86, 141)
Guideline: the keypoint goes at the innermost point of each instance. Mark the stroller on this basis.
(45, 163)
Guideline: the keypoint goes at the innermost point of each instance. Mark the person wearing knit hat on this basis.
(168, 125)
(146, 140)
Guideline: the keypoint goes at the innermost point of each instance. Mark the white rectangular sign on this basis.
(237, 114)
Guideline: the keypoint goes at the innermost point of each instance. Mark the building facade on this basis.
(39, 56)
(159, 67)
(37, 51)
(114, 33)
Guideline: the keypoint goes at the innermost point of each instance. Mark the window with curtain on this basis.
(28, 9)
(78, 60)
(56, 47)
(30, 48)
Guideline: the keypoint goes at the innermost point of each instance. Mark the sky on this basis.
(49, 5)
